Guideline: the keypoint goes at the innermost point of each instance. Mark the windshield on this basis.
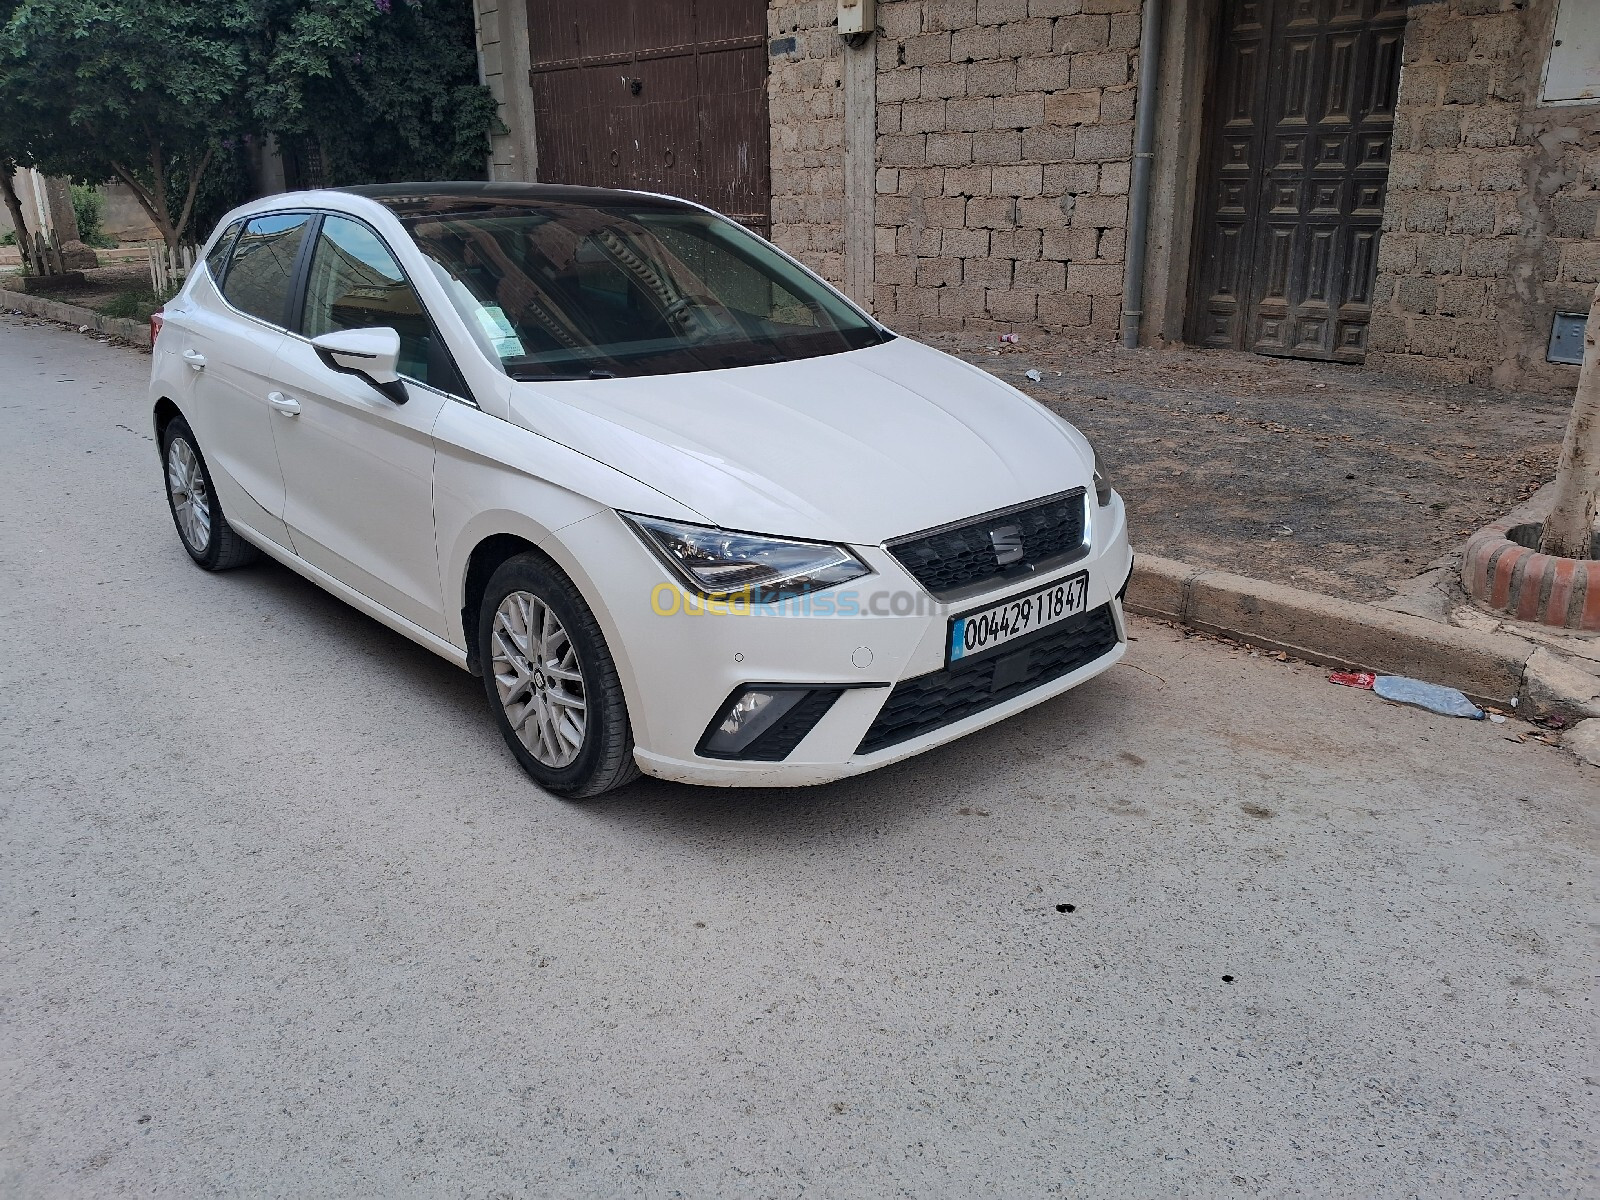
(562, 290)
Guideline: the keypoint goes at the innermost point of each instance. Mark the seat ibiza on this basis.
(684, 507)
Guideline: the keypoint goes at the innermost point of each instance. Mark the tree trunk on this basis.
(8, 188)
(1569, 529)
(152, 199)
(195, 175)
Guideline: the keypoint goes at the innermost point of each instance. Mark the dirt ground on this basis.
(1333, 478)
(101, 285)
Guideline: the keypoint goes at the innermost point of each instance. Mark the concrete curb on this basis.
(136, 332)
(1488, 667)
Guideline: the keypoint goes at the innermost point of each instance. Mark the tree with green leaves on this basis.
(151, 92)
(141, 92)
(404, 103)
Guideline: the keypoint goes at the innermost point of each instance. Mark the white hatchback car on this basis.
(683, 506)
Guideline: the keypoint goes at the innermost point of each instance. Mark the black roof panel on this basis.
(442, 197)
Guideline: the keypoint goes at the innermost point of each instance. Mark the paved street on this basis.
(282, 917)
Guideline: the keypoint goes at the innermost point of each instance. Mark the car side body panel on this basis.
(358, 470)
(224, 400)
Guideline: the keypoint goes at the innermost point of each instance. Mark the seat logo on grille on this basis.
(1007, 543)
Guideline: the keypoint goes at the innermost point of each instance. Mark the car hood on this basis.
(856, 447)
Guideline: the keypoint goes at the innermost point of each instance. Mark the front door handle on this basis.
(287, 405)
(195, 359)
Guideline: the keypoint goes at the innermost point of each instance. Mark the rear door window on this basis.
(261, 269)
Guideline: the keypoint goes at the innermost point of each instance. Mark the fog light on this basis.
(765, 721)
(751, 713)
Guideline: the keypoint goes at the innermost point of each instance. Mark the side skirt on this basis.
(419, 635)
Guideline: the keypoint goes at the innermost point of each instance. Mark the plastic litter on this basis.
(1355, 679)
(1445, 701)
(1008, 337)
(1033, 374)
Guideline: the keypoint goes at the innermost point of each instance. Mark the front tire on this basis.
(552, 682)
(196, 511)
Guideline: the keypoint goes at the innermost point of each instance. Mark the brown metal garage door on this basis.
(664, 95)
(1297, 162)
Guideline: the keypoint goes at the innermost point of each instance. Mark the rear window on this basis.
(261, 268)
(217, 260)
(568, 290)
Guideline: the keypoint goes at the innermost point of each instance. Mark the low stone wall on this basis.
(137, 332)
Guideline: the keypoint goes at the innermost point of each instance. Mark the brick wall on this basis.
(1492, 222)
(1005, 134)
(805, 93)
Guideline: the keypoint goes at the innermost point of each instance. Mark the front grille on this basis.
(959, 557)
(929, 702)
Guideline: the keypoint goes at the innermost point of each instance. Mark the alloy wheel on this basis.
(539, 679)
(191, 500)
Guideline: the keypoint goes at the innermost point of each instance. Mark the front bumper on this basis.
(679, 670)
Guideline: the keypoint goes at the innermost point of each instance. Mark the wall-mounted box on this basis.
(857, 16)
(1566, 338)
(1572, 70)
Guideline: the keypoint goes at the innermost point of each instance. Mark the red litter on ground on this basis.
(1355, 679)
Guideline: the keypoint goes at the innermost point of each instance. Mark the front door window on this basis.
(355, 283)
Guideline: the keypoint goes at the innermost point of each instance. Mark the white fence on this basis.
(168, 267)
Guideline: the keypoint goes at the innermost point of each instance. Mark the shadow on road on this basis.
(720, 820)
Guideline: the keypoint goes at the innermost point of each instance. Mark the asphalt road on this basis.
(283, 918)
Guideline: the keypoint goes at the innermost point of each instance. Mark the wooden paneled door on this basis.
(662, 95)
(1301, 117)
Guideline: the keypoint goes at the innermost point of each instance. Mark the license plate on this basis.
(1017, 617)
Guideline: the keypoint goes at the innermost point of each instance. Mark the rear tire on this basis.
(552, 682)
(192, 500)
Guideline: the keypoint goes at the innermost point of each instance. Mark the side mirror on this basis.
(373, 354)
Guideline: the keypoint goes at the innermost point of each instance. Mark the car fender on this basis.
(494, 478)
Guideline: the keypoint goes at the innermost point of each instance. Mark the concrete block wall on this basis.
(805, 110)
(1005, 136)
(1492, 222)
(491, 60)
(501, 29)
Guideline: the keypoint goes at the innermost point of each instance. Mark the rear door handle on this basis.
(287, 405)
(195, 359)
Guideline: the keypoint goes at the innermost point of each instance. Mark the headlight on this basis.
(719, 562)
(1102, 486)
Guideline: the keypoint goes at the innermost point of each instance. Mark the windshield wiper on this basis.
(530, 377)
